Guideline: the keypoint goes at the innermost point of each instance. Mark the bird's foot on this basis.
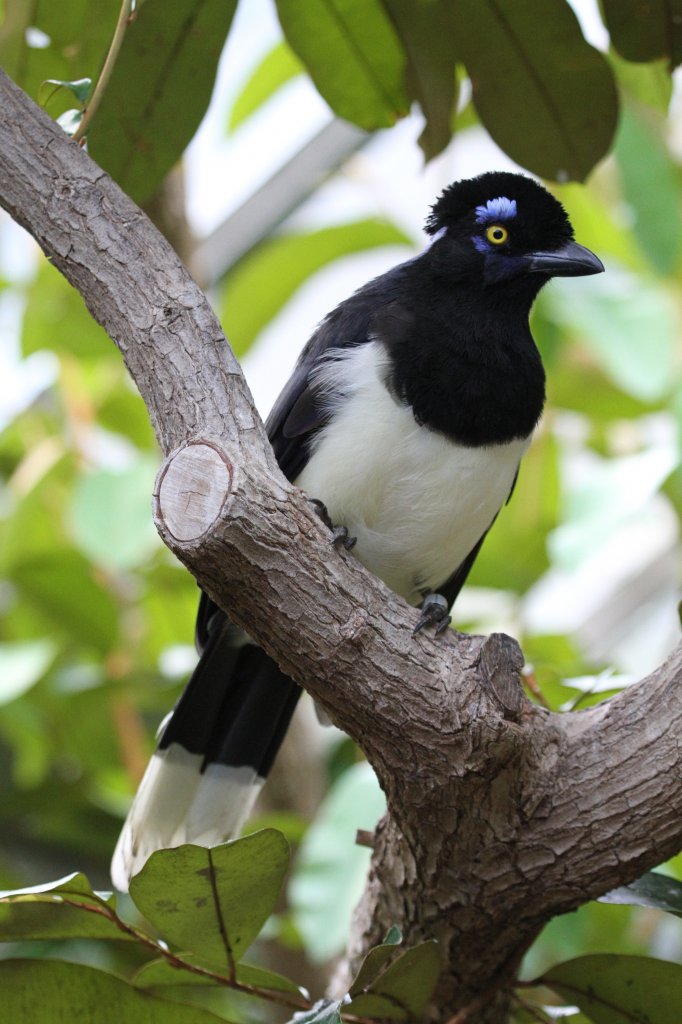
(434, 612)
(340, 534)
(342, 539)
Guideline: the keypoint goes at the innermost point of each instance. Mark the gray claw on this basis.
(341, 538)
(434, 612)
(340, 535)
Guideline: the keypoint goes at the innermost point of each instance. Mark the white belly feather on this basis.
(416, 502)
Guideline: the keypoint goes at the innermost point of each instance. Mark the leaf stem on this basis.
(534, 1011)
(104, 910)
(124, 18)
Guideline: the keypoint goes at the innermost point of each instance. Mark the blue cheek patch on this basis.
(500, 209)
(481, 244)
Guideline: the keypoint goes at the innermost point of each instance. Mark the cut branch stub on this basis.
(192, 487)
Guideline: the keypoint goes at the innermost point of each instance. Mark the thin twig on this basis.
(124, 19)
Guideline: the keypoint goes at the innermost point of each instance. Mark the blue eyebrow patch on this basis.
(496, 210)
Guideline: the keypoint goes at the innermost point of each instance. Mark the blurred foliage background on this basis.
(97, 617)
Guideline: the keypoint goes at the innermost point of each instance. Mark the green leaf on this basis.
(426, 31)
(277, 68)
(645, 31)
(162, 974)
(403, 989)
(649, 83)
(52, 992)
(545, 95)
(330, 869)
(75, 884)
(60, 584)
(21, 665)
(249, 974)
(213, 902)
(604, 500)
(42, 912)
(600, 227)
(353, 56)
(75, 39)
(629, 325)
(159, 90)
(111, 515)
(650, 187)
(56, 318)
(651, 890)
(613, 989)
(124, 412)
(263, 282)
(80, 88)
(376, 960)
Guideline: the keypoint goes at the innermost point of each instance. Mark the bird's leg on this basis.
(340, 534)
(434, 612)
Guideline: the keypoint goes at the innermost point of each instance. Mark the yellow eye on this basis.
(496, 234)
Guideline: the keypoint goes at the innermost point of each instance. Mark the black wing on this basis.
(301, 411)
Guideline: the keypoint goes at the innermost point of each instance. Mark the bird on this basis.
(406, 418)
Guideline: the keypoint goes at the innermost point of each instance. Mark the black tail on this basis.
(214, 751)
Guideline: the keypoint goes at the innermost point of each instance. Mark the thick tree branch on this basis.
(500, 813)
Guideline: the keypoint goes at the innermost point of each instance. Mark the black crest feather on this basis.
(536, 204)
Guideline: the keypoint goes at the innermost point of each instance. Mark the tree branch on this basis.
(500, 813)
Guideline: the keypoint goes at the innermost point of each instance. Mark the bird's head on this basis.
(506, 227)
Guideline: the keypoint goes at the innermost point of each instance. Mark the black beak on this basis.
(571, 260)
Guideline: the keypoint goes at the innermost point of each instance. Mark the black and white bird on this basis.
(407, 415)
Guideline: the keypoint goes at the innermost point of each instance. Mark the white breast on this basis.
(417, 502)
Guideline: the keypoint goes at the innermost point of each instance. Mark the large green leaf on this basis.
(52, 992)
(111, 515)
(213, 902)
(628, 324)
(353, 56)
(61, 586)
(56, 318)
(645, 31)
(262, 283)
(330, 869)
(603, 500)
(21, 665)
(124, 412)
(43, 39)
(426, 33)
(651, 890)
(159, 90)
(651, 186)
(613, 989)
(650, 83)
(546, 96)
(277, 68)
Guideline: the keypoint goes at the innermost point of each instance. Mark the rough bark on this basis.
(500, 814)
